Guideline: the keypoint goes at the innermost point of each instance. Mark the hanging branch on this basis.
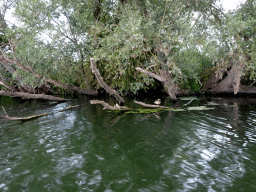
(102, 83)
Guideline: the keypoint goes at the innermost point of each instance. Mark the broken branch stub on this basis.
(102, 83)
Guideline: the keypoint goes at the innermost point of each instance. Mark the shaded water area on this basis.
(89, 149)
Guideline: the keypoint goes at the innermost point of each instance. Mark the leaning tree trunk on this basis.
(168, 79)
(231, 83)
(165, 77)
(102, 83)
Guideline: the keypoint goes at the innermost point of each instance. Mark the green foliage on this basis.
(191, 63)
(58, 37)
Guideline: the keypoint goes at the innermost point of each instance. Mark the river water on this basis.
(90, 149)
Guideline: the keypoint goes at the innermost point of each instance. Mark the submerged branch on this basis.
(22, 118)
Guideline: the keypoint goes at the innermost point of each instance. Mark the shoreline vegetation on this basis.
(175, 48)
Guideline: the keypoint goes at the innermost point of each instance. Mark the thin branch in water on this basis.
(188, 103)
(5, 112)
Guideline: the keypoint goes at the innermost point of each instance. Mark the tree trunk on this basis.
(231, 83)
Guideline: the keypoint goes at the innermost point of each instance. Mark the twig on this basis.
(187, 103)
(5, 112)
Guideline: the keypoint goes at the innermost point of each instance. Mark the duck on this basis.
(158, 102)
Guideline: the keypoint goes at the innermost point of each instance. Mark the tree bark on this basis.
(213, 80)
(168, 79)
(231, 83)
(102, 83)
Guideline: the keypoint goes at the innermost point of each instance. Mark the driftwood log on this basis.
(109, 107)
(32, 96)
(150, 106)
(102, 83)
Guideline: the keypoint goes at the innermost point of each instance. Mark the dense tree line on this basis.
(192, 41)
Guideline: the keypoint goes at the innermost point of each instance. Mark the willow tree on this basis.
(234, 50)
(58, 37)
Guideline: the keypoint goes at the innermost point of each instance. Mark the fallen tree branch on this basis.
(151, 106)
(2, 82)
(31, 96)
(102, 83)
(109, 107)
(22, 118)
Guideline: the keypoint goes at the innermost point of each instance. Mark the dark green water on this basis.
(88, 149)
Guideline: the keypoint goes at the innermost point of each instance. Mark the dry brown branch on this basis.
(102, 83)
(151, 106)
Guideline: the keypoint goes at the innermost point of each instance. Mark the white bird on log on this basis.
(158, 102)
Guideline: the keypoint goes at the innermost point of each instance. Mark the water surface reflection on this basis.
(88, 149)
